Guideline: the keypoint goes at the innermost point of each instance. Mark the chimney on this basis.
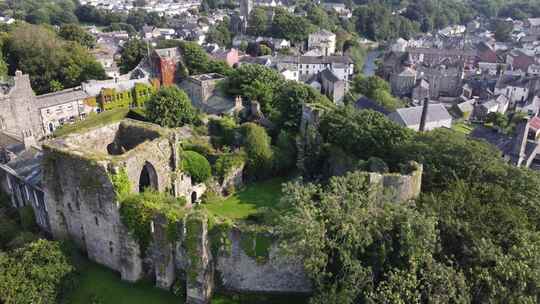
(423, 118)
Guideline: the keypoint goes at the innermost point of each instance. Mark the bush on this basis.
(171, 108)
(223, 131)
(226, 162)
(259, 152)
(197, 166)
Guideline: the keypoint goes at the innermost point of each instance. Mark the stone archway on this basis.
(148, 178)
(193, 197)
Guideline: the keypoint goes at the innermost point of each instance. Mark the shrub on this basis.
(259, 152)
(171, 107)
(197, 166)
(226, 162)
(138, 210)
(223, 131)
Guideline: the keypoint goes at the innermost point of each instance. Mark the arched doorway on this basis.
(193, 197)
(148, 178)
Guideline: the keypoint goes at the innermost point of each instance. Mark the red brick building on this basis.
(165, 65)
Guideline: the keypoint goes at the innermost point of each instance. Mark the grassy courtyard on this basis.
(93, 120)
(99, 285)
(249, 200)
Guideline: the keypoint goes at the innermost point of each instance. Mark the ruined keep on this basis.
(81, 197)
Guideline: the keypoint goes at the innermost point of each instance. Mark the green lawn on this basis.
(247, 201)
(92, 121)
(100, 285)
(463, 128)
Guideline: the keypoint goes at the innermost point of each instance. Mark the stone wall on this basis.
(274, 274)
(398, 187)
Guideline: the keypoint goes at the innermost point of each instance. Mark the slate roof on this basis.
(411, 116)
(61, 97)
(27, 166)
(364, 103)
(315, 59)
(329, 75)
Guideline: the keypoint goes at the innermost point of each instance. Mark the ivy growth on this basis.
(256, 245)
(121, 183)
(195, 222)
(138, 210)
(220, 243)
(227, 162)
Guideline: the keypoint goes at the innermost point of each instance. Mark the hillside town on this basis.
(269, 151)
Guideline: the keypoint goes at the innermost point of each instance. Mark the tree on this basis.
(34, 273)
(258, 149)
(377, 89)
(136, 18)
(498, 120)
(354, 246)
(170, 107)
(264, 50)
(73, 32)
(133, 51)
(288, 26)
(39, 52)
(289, 103)
(258, 22)
(365, 133)
(220, 34)
(447, 155)
(197, 166)
(255, 82)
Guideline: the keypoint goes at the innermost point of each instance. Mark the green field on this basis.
(99, 285)
(94, 120)
(248, 201)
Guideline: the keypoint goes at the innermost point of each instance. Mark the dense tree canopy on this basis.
(133, 51)
(258, 149)
(170, 107)
(73, 32)
(33, 274)
(38, 51)
(255, 82)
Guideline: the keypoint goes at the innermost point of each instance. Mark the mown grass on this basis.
(99, 285)
(248, 201)
(92, 121)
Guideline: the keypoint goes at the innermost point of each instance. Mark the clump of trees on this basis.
(48, 59)
(170, 107)
(378, 90)
(34, 273)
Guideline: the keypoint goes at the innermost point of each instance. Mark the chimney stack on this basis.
(423, 118)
